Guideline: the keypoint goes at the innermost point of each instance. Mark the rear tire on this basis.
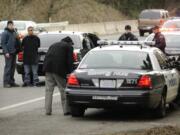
(141, 33)
(160, 111)
(77, 111)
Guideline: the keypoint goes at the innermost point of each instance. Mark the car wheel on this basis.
(77, 111)
(161, 109)
(141, 33)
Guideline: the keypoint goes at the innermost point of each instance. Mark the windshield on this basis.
(150, 15)
(117, 59)
(48, 39)
(19, 25)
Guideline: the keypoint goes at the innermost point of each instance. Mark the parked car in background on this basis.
(171, 25)
(149, 18)
(172, 45)
(49, 38)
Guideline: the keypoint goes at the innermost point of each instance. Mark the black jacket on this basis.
(128, 37)
(160, 41)
(59, 59)
(30, 45)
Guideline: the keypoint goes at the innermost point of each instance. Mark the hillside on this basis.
(74, 11)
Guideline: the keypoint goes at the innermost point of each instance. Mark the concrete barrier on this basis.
(53, 26)
(103, 28)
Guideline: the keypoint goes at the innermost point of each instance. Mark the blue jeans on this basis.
(28, 69)
(9, 69)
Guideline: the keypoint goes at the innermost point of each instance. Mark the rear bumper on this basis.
(146, 28)
(147, 99)
(20, 68)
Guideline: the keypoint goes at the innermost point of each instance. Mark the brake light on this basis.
(145, 82)
(21, 36)
(72, 80)
(20, 56)
(75, 57)
(161, 22)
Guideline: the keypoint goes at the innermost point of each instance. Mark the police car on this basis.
(123, 73)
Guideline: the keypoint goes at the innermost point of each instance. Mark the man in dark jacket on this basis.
(9, 41)
(128, 36)
(159, 39)
(30, 45)
(57, 64)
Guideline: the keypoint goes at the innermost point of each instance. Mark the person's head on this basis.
(68, 40)
(128, 28)
(10, 25)
(30, 30)
(155, 29)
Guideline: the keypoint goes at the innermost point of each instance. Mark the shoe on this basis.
(7, 86)
(25, 85)
(14, 85)
(48, 113)
(67, 113)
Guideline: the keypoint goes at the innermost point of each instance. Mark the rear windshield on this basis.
(150, 15)
(117, 59)
(19, 25)
(172, 40)
(48, 39)
(171, 24)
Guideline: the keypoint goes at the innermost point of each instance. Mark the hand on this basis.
(7, 55)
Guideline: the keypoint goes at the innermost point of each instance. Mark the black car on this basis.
(122, 74)
(48, 38)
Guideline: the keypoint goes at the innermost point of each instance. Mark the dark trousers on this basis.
(9, 69)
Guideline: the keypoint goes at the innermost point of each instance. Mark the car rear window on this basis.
(150, 15)
(172, 40)
(48, 39)
(117, 59)
(171, 24)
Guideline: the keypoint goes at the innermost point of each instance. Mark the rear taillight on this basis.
(145, 81)
(72, 80)
(75, 57)
(161, 22)
(20, 56)
(21, 36)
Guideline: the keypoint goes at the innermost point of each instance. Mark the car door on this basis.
(169, 74)
(174, 81)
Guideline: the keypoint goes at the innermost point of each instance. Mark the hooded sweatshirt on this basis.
(8, 41)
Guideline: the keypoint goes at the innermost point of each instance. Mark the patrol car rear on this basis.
(122, 73)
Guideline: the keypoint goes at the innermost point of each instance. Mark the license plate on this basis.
(112, 98)
(107, 84)
(42, 57)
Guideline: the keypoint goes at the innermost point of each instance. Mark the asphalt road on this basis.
(22, 113)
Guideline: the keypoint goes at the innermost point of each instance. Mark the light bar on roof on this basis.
(115, 42)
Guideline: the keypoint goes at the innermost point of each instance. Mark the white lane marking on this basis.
(25, 103)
